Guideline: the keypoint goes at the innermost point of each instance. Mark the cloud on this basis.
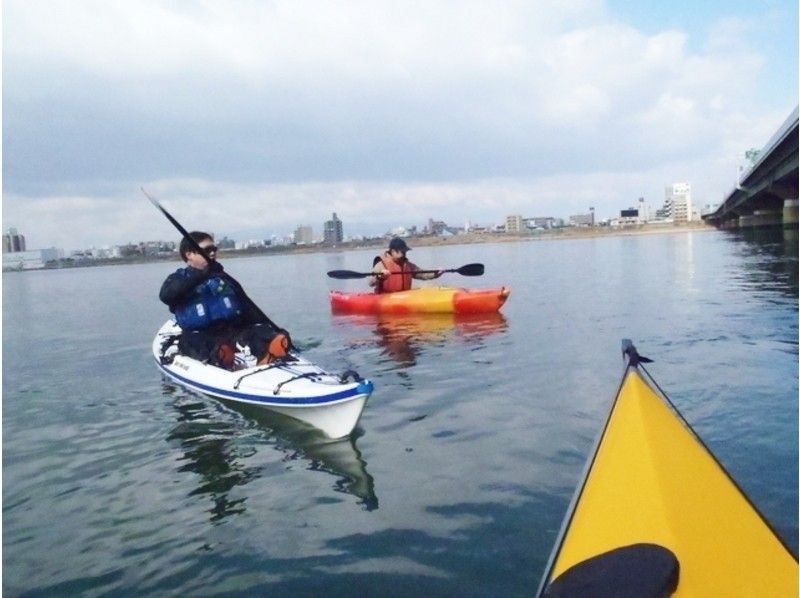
(371, 99)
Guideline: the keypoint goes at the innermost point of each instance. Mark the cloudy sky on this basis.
(250, 118)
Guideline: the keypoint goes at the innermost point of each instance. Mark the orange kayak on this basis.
(422, 300)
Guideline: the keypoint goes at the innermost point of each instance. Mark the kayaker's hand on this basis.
(377, 277)
(215, 267)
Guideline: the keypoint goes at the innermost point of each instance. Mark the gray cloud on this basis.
(485, 103)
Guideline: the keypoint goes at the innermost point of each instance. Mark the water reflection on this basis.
(402, 337)
(343, 460)
(210, 453)
(213, 448)
(771, 257)
(340, 458)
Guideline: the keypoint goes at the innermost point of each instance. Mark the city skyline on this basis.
(332, 229)
(256, 118)
(677, 194)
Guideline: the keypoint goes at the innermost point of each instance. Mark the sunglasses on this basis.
(210, 249)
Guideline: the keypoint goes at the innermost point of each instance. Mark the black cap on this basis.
(398, 244)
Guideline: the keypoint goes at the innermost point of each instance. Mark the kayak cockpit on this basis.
(635, 571)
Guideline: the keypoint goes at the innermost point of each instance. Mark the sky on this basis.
(249, 118)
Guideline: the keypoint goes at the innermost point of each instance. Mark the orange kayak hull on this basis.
(423, 300)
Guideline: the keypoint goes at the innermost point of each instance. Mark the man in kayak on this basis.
(393, 272)
(220, 323)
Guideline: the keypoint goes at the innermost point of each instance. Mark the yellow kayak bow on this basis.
(656, 514)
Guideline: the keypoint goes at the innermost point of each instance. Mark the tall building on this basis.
(333, 232)
(644, 210)
(514, 224)
(303, 235)
(678, 202)
(13, 241)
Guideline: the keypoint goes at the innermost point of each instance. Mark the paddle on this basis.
(196, 246)
(466, 270)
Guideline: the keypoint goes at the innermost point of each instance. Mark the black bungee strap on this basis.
(350, 374)
(342, 379)
(256, 371)
(298, 377)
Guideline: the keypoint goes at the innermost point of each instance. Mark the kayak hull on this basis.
(297, 388)
(429, 300)
(652, 481)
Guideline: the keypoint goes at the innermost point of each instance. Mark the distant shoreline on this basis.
(560, 234)
(414, 241)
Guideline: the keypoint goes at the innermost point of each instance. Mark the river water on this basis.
(465, 459)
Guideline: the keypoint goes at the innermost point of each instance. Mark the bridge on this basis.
(767, 193)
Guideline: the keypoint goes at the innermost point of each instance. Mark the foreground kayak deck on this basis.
(422, 300)
(295, 387)
(652, 481)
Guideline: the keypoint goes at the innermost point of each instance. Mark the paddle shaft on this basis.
(466, 270)
(344, 274)
(412, 273)
(196, 246)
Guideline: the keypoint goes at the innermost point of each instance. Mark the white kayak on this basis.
(294, 386)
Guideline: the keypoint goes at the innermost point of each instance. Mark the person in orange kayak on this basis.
(393, 272)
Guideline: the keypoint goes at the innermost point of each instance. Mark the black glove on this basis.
(215, 267)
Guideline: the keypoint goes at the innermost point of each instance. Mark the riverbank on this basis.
(559, 233)
(414, 241)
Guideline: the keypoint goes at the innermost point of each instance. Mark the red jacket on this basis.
(395, 282)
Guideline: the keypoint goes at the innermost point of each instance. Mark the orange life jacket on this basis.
(394, 282)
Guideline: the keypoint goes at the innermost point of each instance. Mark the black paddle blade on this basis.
(471, 270)
(347, 274)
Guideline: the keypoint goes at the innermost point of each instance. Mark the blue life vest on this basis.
(213, 300)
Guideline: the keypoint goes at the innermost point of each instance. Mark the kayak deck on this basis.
(651, 480)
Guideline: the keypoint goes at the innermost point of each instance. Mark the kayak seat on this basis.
(635, 571)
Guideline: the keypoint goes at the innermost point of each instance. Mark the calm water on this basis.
(467, 454)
